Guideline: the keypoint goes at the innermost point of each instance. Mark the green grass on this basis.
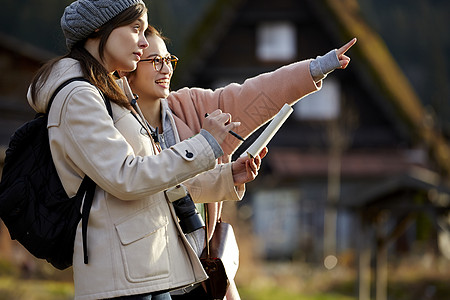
(18, 289)
(271, 293)
(407, 281)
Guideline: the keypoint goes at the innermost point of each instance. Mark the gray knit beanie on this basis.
(83, 17)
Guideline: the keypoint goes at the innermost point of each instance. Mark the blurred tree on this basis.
(35, 21)
(417, 33)
(176, 18)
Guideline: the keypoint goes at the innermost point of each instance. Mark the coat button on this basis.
(189, 154)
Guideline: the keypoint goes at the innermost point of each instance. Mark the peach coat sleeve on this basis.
(217, 184)
(253, 103)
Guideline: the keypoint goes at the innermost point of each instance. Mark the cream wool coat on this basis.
(135, 245)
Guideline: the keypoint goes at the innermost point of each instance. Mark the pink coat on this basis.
(253, 103)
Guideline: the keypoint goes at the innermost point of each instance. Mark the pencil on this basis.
(236, 135)
(232, 133)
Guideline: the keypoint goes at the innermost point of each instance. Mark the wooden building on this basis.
(19, 61)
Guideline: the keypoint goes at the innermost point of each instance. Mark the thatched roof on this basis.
(373, 53)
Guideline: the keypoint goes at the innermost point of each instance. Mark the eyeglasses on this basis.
(158, 62)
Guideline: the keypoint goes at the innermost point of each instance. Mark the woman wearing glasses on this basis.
(151, 82)
(178, 115)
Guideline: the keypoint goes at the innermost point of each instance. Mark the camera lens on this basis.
(190, 219)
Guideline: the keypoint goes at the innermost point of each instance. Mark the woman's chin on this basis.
(164, 95)
(129, 67)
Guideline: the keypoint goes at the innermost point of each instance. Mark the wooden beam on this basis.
(364, 257)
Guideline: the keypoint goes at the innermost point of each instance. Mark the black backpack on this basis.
(33, 203)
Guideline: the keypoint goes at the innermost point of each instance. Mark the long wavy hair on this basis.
(92, 69)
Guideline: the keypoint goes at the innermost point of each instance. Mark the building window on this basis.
(276, 221)
(276, 41)
(323, 105)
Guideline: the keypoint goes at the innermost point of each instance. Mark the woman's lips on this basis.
(163, 82)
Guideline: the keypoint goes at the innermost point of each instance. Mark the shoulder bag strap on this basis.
(208, 253)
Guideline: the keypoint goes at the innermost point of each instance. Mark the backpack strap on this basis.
(87, 187)
(86, 191)
(59, 88)
(108, 105)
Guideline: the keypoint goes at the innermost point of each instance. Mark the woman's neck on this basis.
(152, 112)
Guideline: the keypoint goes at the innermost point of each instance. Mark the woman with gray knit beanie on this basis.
(136, 248)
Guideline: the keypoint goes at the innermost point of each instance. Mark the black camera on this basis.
(190, 219)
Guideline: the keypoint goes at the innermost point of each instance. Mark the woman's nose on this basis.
(166, 69)
(143, 43)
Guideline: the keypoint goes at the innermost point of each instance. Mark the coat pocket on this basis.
(143, 242)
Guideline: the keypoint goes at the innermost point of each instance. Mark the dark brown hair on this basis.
(92, 69)
(153, 31)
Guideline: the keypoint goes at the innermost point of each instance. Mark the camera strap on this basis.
(175, 193)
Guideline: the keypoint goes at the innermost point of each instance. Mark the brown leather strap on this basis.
(208, 253)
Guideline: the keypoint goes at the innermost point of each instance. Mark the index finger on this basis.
(214, 113)
(232, 125)
(263, 152)
(347, 46)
